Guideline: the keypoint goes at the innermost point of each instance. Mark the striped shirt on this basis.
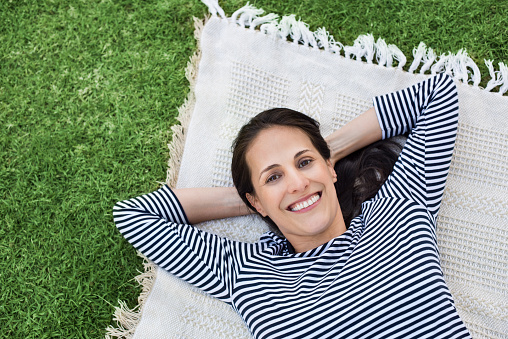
(380, 279)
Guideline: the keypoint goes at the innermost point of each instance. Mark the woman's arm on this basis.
(358, 133)
(209, 203)
(429, 111)
(157, 226)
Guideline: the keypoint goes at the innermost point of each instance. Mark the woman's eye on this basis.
(304, 163)
(272, 177)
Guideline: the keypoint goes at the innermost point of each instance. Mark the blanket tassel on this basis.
(128, 318)
(498, 77)
(288, 28)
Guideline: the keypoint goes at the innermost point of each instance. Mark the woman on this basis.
(316, 276)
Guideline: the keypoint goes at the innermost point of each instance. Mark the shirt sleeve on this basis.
(429, 112)
(156, 225)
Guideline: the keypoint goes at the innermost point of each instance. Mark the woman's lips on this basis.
(305, 204)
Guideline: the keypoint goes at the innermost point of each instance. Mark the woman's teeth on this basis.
(311, 201)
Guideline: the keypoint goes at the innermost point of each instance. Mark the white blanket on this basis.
(243, 71)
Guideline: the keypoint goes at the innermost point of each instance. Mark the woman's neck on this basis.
(307, 243)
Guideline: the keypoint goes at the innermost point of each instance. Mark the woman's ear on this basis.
(332, 170)
(255, 202)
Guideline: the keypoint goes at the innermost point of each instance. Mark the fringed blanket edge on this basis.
(365, 48)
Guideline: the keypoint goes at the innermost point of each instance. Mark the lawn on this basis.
(88, 93)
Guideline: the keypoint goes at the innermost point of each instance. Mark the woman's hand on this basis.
(359, 132)
(210, 203)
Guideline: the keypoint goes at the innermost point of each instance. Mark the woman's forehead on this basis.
(275, 144)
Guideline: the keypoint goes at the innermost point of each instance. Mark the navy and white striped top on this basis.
(381, 278)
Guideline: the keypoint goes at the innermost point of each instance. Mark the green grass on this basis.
(88, 93)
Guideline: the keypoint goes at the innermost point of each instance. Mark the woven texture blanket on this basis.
(244, 65)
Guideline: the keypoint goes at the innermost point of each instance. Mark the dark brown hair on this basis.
(360, 175)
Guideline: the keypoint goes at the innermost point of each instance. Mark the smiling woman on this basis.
(293, 185)
(281, 168)
(376, 276)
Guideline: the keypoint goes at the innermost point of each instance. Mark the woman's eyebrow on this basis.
(276, 165)
(301, 152)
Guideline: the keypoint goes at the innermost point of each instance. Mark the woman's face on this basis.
(293, 185)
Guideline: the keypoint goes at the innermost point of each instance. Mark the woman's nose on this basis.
(297, 182)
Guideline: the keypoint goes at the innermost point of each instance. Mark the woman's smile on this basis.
(305, 204)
